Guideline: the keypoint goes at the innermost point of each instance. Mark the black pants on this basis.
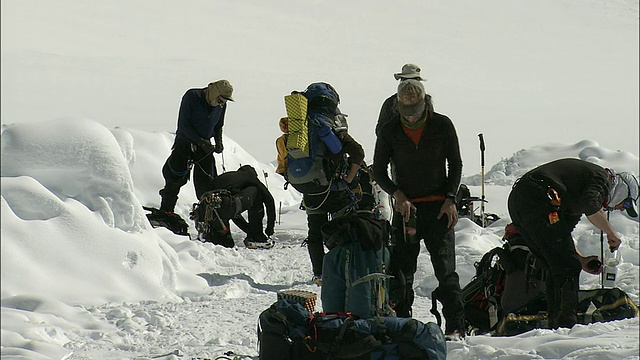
(176, 172)
(440, 242)
(552, 245)
(252, 201)
(318, 209)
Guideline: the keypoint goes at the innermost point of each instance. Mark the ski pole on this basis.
(482, 148)
(602, 275)
(223, 168)
(265, 178)
(279, 212)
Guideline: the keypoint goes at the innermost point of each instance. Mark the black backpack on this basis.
(173, 222)
(287, 331)
(483, 297)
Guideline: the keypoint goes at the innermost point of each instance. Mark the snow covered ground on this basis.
(90, 93)
(84, 276)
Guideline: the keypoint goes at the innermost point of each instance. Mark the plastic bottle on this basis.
(610, 272)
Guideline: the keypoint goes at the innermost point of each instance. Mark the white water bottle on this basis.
(610, 271)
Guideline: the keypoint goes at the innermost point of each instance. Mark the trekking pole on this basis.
(602, 258)
(482, 148)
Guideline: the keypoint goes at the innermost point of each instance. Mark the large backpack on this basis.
(287, 331)
(354, 271)
(506, 278)
(313, 119)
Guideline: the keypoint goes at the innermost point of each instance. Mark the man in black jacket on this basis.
(201, 117)
(231, 194)
(547, 203)
(420, 144)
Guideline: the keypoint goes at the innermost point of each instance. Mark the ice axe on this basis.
(482, 148)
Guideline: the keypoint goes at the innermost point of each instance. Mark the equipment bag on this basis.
(173, 222)
(287, 331)
(506, 279)
(354, 271)
(596, 305)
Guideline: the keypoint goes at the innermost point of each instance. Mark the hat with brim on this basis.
(222, 88)
(409, 71)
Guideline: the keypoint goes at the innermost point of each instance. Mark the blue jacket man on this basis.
(200, 118)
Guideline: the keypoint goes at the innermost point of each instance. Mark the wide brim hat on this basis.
(409, 71)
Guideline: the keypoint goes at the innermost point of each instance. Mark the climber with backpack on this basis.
(231, 194)
(322, 161)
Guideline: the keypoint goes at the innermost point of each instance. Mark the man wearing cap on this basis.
(388, 110)
(201, 117)
(547, 203)
(423, 148)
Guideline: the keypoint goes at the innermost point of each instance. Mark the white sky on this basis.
(83, 274)
(522, 74)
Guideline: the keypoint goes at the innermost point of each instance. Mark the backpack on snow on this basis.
(287, 331)
(506, 277)
(354, 271)
(311, 138)
(595, 305)
(173, 222)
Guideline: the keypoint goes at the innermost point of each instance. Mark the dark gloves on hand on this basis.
(269, 230)
(206, 146)
(217, 148)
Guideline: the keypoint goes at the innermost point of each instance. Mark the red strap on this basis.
(428, 198)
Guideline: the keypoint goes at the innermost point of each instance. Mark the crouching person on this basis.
(231, 194)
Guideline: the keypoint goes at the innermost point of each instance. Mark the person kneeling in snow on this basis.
(231, 194)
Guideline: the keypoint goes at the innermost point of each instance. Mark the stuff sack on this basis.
(286, 330)
(354, 271)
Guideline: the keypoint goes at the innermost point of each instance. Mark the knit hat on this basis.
(624, 190)
(411, 97)
(219, 88)
(409, 71)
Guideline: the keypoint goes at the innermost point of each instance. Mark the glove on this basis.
(206, 146)
(217, 148)
(269, 230)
